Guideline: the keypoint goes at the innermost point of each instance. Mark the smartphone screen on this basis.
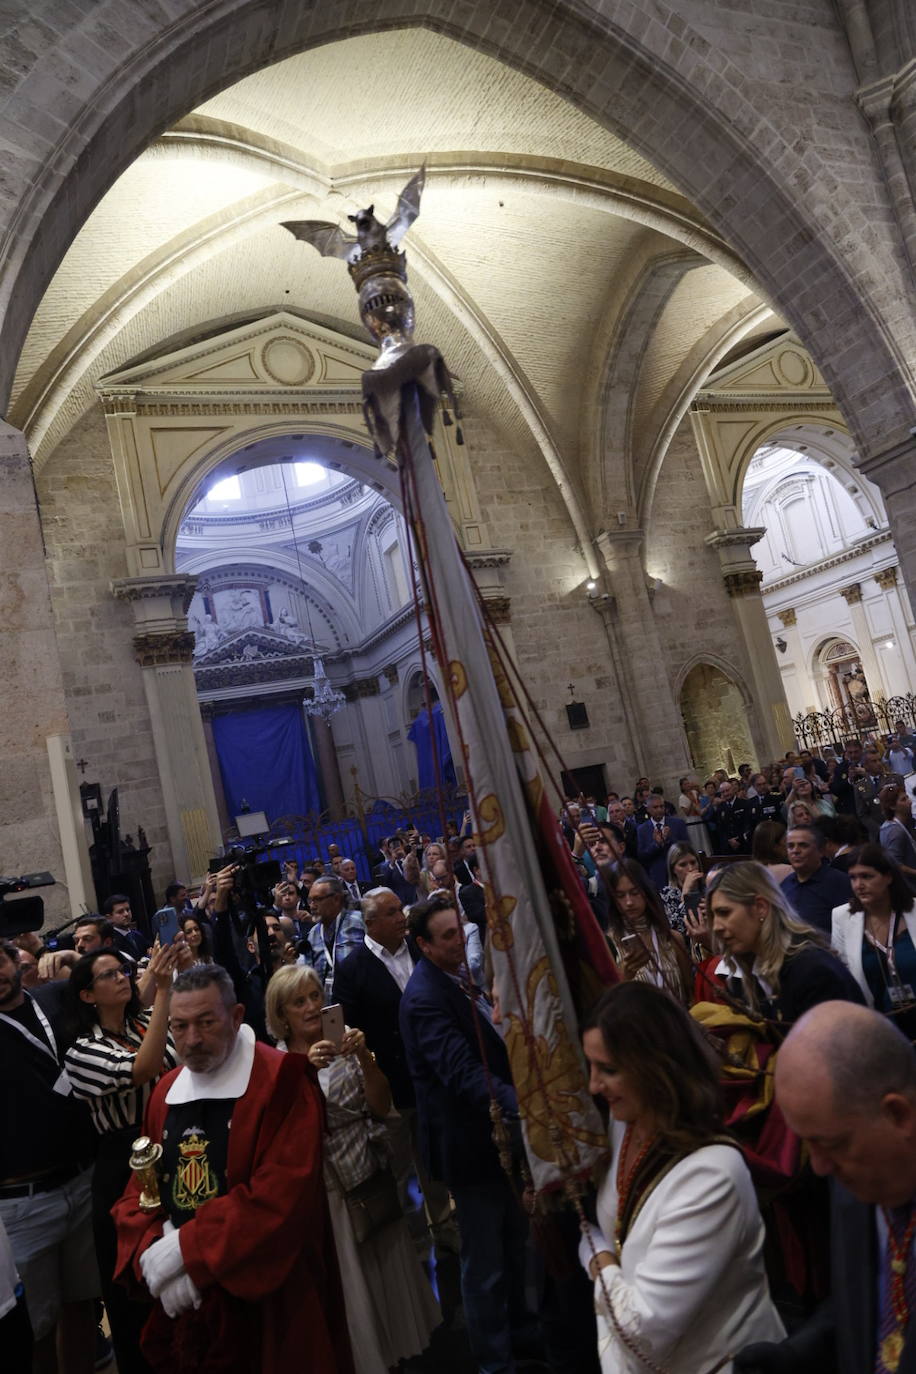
(332, 1023)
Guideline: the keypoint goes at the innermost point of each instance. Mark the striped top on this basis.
(100, 1068)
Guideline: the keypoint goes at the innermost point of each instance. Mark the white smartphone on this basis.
(332, 1024)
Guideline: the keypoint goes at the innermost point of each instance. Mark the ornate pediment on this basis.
(780, 368)
(280, 350)
(251, 656)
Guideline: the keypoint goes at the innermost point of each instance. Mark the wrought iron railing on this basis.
(818, 728)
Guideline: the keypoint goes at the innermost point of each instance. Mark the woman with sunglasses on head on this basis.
(119, 1053)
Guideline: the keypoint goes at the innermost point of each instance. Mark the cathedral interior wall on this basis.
(103, 683)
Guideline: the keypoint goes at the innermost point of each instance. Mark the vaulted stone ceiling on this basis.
(578, 295)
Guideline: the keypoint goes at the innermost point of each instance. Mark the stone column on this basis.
(659, 743)
(31, 683)
(793, 660)
(887, 581)
(894, 472)
(326, 763)
(164, 646)
(742, 580)
(861, 629)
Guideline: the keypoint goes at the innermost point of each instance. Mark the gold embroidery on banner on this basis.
(493, 824)
(518, 736)
(458, 677)
(499, 909)
(548, 1077)
(503, 686)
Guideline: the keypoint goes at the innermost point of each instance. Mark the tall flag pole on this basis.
(548, 954)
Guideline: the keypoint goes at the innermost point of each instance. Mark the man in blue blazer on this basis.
(655, 836)
(447, 1031)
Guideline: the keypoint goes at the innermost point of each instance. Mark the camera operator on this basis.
(47, 1147)
(236, 918)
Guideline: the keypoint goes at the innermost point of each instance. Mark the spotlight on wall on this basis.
(591, 585)
(888, 644)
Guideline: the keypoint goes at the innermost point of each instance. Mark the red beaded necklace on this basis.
(625, 1179)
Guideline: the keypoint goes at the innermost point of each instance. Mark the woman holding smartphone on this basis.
(391, 1311)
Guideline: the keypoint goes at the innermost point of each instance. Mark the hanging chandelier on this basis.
(325, 698)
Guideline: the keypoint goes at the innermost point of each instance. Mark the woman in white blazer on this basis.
(875, 933)
(677, 1255)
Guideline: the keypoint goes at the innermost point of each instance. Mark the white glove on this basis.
(180, 1294)
(163, 1261)
(592, 1243)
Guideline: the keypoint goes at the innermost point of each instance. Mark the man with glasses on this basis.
(335, 934)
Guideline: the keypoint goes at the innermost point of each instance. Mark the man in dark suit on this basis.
(867, 785)
(369, 987)
(734, 820)
(446, 1027)
(846, 1084)
(356, 890)
(472, 895)
(655, 836)
(401, 872)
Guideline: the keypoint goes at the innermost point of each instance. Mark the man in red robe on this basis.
(240, 1256)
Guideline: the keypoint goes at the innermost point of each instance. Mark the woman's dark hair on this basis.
(765, 842)
(655, 912)
(653, 1040)
(83, 1015)
(205, 952)
(873, 856)
(889, 797)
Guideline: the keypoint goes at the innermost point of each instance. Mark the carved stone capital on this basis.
(488, 558)
(744, 583)
(852, 594)
(887, 578)
(391, 674)
(499, 609)
(361, 688)
(788, 618)
(154, 650)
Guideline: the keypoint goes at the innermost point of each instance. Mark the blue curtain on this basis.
(420, 733)
(265, 759)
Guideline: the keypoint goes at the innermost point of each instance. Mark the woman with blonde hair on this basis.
(391, 1311)
(772, 962)
(432, 854)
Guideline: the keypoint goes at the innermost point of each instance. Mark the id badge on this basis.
(63, 1084)
(901, 995)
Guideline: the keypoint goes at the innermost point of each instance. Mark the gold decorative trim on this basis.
(499, 609)
(887, 578)
(852, 594)
(788, 618)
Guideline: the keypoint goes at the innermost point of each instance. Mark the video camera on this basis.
(19, 913)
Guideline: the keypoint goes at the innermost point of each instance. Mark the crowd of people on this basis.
(315, 1074)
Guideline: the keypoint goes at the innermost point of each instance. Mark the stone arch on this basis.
(714, 703)
(659, 82)
(828, 442)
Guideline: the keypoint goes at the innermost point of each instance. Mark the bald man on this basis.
(846, 1083)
